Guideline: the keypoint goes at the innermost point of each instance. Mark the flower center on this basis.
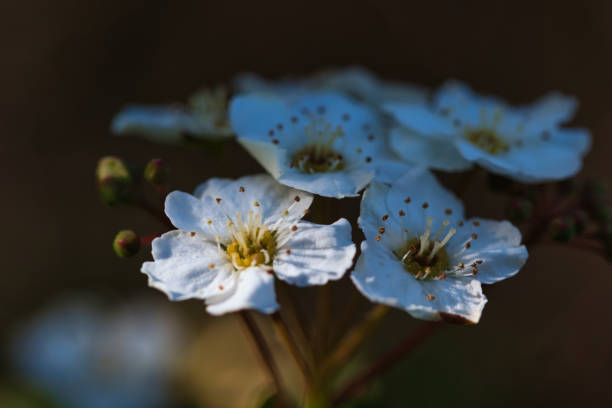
(420, 264)
(211, 106)
(252, 252)
(318, 156)
(487, 139)
(253, 243)
(427, 258)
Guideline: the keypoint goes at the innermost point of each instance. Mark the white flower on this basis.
(234, 235)
(205, 117)
(363, 85)
(524, 143)
(356, 82)
(421, 255)
(318, 142)
(86, 356)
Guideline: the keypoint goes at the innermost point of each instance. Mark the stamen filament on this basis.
(425, 237)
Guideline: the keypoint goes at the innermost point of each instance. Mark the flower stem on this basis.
(265, 355)
(322, 322)
(296, 319)
(352, 340)
(147, 239)
(385, 362)
(286, 335)
(155, 211)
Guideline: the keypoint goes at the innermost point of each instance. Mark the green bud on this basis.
(519, 210)
(114, 180)
(126, 243)
(562, 229)
(156, 172)
(498, 183)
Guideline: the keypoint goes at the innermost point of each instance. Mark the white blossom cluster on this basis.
(343, 134)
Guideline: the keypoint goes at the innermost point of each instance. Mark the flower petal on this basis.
(380, 276)
(316, 254)
(574, 139)
(390, 168)
(496, 253)
(363, 85)
(182, 267)
(160, 123)
(271, 157)
(263, 194)
(189, 213)
(381, 206)
(211, 187)
(421, 119)
(249, 82)
(459, 103)
(339, 184)
(254, 289)
(426, 151)
(542, 162)
(258, 114)
(549, 112)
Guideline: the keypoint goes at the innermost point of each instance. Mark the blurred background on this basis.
(68, 66)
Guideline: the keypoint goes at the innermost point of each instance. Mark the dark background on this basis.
(68, 66)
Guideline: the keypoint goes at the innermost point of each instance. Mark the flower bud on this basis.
(156, 172)
(126, 243)
(562, 229)
(114, 180)
(519, 210)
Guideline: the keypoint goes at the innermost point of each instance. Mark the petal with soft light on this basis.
(380, 276)
(316, 254)
(254, 289)
(186, 266)
(426, 151)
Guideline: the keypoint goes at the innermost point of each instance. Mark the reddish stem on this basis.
(147, 239)
(385, 362)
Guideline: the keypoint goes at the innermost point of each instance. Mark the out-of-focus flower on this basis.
(322, 143)
(422, 256)
(363, 85)
(204, 117)
(86, 356)
(356, 82)
(235, 235)
(524, 143)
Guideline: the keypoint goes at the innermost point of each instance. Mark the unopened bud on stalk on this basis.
(114, 180)
(519, 210)
(126, 243)
(156, 172)
(562, 229)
